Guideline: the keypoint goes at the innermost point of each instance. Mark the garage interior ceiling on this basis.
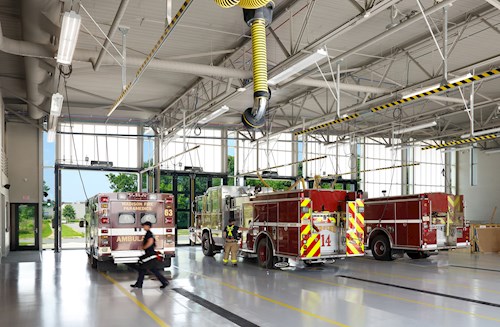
(382, 48)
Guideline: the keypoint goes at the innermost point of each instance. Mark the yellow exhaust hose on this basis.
(246, 4)
(259, 55)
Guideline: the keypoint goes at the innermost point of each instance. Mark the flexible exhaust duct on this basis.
(258, 14)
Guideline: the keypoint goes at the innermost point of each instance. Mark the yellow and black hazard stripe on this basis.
(438, 90)
(460, 142)
(336, 121)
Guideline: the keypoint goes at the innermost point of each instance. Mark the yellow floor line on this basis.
(141, 305)
(402, 299)
(265, 298)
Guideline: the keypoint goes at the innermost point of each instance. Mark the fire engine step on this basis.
(215, 308)
(422, 291)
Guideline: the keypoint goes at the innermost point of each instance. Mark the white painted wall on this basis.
(24, 152)
(480, 200)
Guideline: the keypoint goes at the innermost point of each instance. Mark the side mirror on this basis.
(82, 223)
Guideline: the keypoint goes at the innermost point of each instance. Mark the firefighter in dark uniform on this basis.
(147, 261)
(231, 242)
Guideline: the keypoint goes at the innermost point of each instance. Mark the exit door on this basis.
(25, 223)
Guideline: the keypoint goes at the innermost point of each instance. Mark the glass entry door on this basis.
(25, 222)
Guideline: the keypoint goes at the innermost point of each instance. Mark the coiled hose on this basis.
(246, 4)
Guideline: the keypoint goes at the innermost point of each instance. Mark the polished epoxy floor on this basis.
(62, 290)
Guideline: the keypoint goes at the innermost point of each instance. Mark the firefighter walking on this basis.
(231, 242)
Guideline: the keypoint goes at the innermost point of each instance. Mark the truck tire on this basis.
(206, 245)
(265, 256)
(381, 248)
(92, 261)
(417, 254)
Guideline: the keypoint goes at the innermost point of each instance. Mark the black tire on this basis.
(92, 261)
(417, 255)
(265, 256)
(206, 245)
(381, 248)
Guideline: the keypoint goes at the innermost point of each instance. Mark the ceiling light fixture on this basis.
(415, 128)
(484, 132)
(494, 3)
(298, 67)
(68, 37)
(435, 86)
(214, 115)
(56, 104)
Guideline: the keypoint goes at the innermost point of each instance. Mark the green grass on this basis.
(46, 229)
(26, 230)
(183, 232)
(68, 232)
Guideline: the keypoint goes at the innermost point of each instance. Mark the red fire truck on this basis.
(418, 225)
(114, 227)
(304, 225)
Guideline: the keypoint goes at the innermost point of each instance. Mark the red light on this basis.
(104, 199)
(169, 230)
(104, 231)
(104, 220)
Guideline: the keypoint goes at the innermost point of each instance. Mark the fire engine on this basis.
(308, 226)
(418, 225)
(113, 228)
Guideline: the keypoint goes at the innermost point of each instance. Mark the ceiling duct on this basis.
(32, 20)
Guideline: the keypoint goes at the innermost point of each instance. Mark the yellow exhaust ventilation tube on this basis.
(257, 14)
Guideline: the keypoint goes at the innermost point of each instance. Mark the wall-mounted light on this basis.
(68, 37)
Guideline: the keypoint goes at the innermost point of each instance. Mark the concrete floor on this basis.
(61, 290)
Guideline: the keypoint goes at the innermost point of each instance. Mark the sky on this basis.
(71, 185)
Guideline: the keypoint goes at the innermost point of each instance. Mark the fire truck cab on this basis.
(306, 226)
(113, 227)
(418, 225)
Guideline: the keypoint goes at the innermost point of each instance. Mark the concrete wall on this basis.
(480, 200)
(24, 153)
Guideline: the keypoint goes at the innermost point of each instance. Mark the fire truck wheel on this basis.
(381, 248)
(265, 256)
(207, 246)
(92, 261)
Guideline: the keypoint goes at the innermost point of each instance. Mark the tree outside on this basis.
(69, 212)
(122, 182)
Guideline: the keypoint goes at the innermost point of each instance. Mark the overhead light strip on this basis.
(280, 166)
(298, 67)
(337, 121)
(438, 89)
(415, 128)
(484, 132)
(464, 141)
(151, 55)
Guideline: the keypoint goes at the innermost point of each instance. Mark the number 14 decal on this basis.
(328, 241)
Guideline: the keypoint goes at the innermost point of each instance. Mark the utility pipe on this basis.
(112, 30)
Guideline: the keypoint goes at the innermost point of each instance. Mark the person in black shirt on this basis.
(148, 245)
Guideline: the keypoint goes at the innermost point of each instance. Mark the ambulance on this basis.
(114, 233)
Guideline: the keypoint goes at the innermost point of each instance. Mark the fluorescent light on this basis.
(367, 14)
(484, 132)
(56, 104)
(494, 3)
(68, 37)
(242, 89)
(415, 128)
(51, 136)
(214, 115)
(298, 67)
(491, 151)
(435, 86)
